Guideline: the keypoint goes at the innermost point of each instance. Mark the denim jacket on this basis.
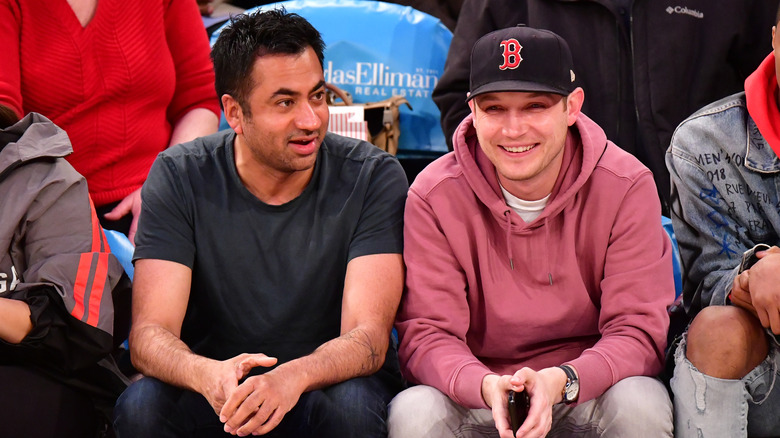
(724, 197)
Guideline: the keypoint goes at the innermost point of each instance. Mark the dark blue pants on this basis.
(354, 408)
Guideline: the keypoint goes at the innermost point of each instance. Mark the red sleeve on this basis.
(10, 29)
(189, 46)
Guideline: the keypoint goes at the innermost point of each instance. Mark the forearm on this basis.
(372, 290)
(359, 352)
(158, 353)
(196, 123)
(15, 317)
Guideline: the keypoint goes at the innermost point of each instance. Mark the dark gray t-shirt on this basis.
(268, 279)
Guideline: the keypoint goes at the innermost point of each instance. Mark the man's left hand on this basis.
(258, 404)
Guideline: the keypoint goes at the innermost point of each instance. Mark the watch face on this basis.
(572, 391)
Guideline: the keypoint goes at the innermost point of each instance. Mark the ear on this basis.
(774, 30)
(233, 113)
(471, 103)
(574, 102)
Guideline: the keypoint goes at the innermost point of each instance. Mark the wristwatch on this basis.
(572, 389)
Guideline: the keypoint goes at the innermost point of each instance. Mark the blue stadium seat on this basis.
(121, 248)
(667, 224)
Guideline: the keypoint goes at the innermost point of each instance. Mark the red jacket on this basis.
(116, 86)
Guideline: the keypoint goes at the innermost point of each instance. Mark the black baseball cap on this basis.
(521, 59)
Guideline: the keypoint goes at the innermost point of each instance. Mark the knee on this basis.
(726, 342)
(637, 404)
(355, 397)
(140, 395)
(419, 411)
(140, 405)
(355, 407)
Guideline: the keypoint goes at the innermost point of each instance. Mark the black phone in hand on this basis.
(519, 403)
(749, 257)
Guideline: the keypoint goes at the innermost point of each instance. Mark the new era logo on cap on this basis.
(521, 59)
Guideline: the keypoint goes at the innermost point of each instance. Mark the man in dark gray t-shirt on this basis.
(271, 251)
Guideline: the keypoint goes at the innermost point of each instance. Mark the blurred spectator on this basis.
(125, 80)
(445, 10)
(60, 293)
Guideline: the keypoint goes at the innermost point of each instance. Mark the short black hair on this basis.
(249, 36)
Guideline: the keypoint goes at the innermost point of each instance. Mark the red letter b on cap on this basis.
(511, 54)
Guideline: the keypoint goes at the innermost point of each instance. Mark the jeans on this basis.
(706, 406)
(633, 407)
(354, 408)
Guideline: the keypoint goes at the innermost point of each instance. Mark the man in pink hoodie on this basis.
(536, 262)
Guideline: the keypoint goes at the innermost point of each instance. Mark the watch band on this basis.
(570, 375)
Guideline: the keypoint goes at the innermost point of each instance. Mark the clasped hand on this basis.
(542, 387)
(757, 289)
(258, 404)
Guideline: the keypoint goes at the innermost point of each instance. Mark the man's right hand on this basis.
(495, 392)
(225, 375)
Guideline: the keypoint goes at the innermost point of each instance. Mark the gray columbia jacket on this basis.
(54, 257)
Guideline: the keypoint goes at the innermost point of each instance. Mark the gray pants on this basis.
(633, 407)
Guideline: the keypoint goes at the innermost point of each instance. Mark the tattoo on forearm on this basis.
(362, 339)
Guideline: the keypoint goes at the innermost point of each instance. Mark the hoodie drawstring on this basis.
(508, 216)
(547, 244)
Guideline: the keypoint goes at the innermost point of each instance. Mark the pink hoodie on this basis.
(591, 280)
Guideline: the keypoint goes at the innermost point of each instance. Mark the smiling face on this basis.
(287, 118)
(523, 135)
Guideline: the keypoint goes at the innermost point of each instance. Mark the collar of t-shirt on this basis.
(528, 210)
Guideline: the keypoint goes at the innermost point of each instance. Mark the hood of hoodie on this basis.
(33, 137)
(585, 144)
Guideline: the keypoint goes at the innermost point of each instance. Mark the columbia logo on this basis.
(683, 10)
